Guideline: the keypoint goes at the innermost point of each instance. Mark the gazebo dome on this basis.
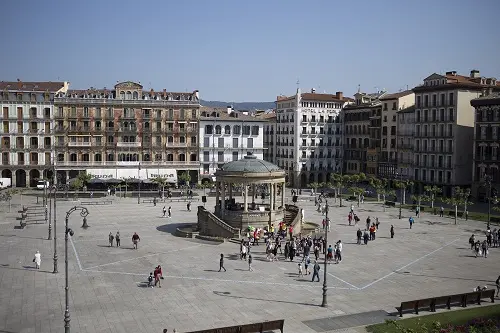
(250, 164)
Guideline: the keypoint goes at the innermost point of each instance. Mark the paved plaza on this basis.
(108, 292)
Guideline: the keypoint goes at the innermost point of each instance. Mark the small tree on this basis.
(419, 198)
(356, 180)
(338, 181)
(161, 182)
(403, 185)
(432, 192)
(456, 200)
(185, 177)
(466, 202)
(379, 185)
(314, 186)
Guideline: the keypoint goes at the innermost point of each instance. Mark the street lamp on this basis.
(325, 287)
(487, 180)
(69, 232)
(401, 189)
(139, 178)
(52, 191)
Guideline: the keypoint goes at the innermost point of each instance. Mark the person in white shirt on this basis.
(339, 251)
(37, 260)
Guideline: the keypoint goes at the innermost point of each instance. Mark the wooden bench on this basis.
(462, 300)
(151, 200)
(183, 199)
(100, 202)
(265, 326)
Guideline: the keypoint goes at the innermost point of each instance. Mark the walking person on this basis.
(359, 235)
(497, 283)
(37, 259)
(417, 212)
(411, 220)
(441, 212)
(117, 237)
(189, 206)
(377, 223)
(368, 222)
(485, 248)
(392, 231)
(111, 238)
(316, 269)
(250, 259)
(221, 262)
(169, 212)
(164, 211)
(339, 251)
(135, 239)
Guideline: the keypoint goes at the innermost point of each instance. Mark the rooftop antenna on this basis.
(359, 88)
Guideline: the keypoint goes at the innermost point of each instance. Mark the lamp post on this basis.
(325, 287)
(401, 189)
(487, 180)
(139, 178)
(52, 190)
(69, 232)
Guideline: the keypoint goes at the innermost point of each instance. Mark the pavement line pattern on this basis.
(407, 265)
(76, 253)
(223, 280)
(353, 286)
(130, 259)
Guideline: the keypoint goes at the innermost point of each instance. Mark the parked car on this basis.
(42, 184)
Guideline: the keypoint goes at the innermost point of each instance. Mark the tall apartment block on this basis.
(444, 128)
(270, 137)
(486, 144)
(309, 136)
(126, 132)
(405, 136)
(27, 130)
(392, 104)
(361, 123)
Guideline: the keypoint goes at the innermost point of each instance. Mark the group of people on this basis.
(481, 248)
(155, 276)
(117, 238)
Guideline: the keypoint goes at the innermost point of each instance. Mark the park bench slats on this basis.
(248, 328)
(449, 300)
(100, 202)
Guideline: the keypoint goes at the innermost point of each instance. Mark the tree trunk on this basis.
(404, 195)
(383, 203)
(432, 200)
(378, 197)
(340, 196)
(456, 213)
(335, 194)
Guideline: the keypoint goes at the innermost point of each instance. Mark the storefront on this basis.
(143, 173)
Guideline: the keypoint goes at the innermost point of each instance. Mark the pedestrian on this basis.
(150, 280)
(365, 237)
(472, 241)
(306, 265)
(221, 262)
(497, 283)
(154, 201)
(37, 259)
(359, 235)
(368, 222)
(392, 231)
(135, 239)
(250, 259)
(117, 237)
(339, 251)
(417, 212)
(301, 274)
(109, 191)
(441, 211)
(349, 218)
(329, 253)
(377, 223)
(316, 269)
(411, 220)
(156, 276)
(189, 206)
(169, 211)
(111, 238)
(164, 211)
(485, 248)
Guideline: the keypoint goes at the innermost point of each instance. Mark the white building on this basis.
(227, 135)
(27, 130)
(309, 136)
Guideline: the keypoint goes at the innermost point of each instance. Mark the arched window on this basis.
(98, 157)
(72, 157)
(129, 95)
(146, 125)
(146, 157)
(227, 129)
(85, 157)
(158, 157)
(111, 157)
(122, 95)
(182, 157)
(218, 129)
(111, 124)
(170, 157)
(135, 95)
(237, 129)
(193, 157)
(135, 157)
(60, 157)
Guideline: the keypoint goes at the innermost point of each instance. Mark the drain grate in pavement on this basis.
(347, 321)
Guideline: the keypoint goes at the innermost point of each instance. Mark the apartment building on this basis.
(444, 128)
(269, 135)
(405, 137)
(26, 131)
(309, 136)
(391, 105)
(361, 124)
(227, 135)
(486, 145)
(126, 132)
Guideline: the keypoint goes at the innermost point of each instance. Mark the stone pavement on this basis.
(108, 291)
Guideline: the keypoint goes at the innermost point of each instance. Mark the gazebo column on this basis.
(271, 197)
(223, 205)
(253, 194)
(217, 189)
(275, 191)
(245, 198)
(230, 192)
(283, 195)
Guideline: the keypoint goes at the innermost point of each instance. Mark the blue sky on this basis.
(248, 50)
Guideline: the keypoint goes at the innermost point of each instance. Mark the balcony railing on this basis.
(128, 144)
(114, 102)
(126, 163)
(79, 144)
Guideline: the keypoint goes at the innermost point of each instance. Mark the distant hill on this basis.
(240, 106)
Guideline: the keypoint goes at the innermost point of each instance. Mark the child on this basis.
(300, 270)
(221, 263)
(306, 265)
(150, 280)
(250, 262)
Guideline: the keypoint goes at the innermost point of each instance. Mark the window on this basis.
(218, 129)
(385, 106)
(450, 114)
(255, 130)
(86, 112)
(394, 106)
(221, 143)
(426, 101)
(235, 155)
(451, 99)
(209, 129)
(206, 142)
(434, 100)
(182, 139)
(193, 141)
(206, 156)
(246, 130)
(235, 142)
(249, 143)
(419, 101)
(236, 130)
(227, 129)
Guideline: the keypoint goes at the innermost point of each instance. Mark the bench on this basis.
(151, 200)
(101, 202)
(449, 300)
(265, 326)
(495, 219)
(37, 213)
(183, 199)
(390, 203)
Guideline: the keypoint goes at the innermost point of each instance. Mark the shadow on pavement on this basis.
(228, 294)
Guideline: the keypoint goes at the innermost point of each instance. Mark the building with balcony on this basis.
(227, 135)
(126, 132)
(444, 128)
(486, 146)
(362, 126)
(405, 137)
(269, 135)
(391, 105)
(27, 130)
(309, 136)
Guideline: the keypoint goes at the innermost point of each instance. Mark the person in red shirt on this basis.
(290, 231)
(157, 275)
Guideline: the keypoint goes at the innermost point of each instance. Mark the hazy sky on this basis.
(248, 50)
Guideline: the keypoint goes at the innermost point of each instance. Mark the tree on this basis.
(432, 191)
(382, 188)
(403, 184)
(161, 182)
(466, 202)
(185, 177)
(458, 198)
(356, 180)
(314, 186)
(419, 198)
(338, 182)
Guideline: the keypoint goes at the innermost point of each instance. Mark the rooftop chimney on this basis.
(339, 95)
(229, 109)
(313, 91)
(474, 73)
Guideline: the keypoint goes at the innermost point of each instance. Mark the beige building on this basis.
(486, 146)
(391, 105)
(444, 128)
(405, 130)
